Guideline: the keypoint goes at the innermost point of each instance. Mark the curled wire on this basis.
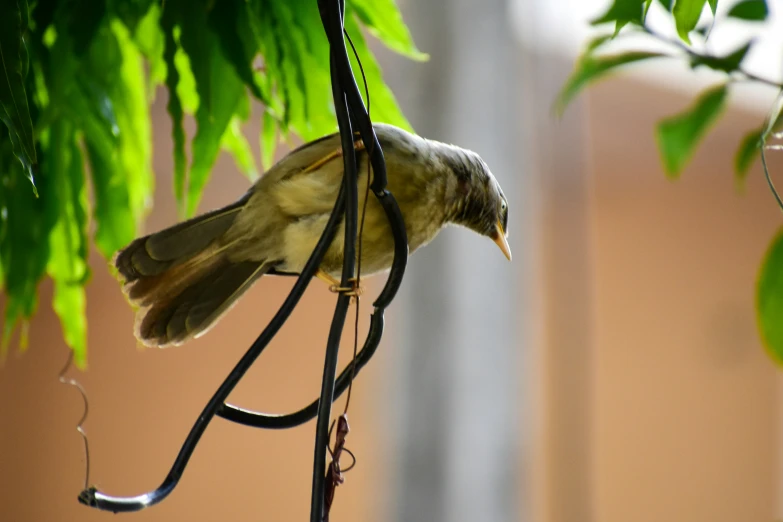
(79, 425)
(335, 475)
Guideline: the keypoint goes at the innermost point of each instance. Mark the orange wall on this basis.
(658, 401)
(685, 400)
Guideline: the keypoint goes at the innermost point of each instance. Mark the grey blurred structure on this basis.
(457, 337)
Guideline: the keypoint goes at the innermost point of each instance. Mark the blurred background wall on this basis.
(611, 373)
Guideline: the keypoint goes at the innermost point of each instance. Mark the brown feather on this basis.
(154, 254)
(189, 309)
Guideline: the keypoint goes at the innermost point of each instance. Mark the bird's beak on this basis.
(501, 241)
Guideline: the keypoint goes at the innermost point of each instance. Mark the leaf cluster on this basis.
(679, 135)
(78, 80)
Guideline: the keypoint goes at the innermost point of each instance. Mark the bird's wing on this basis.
(313, 188)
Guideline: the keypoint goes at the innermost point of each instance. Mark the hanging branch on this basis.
(350, 112)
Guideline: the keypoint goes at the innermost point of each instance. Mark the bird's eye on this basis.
(503, 206)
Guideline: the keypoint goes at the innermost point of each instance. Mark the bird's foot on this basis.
(355, 290)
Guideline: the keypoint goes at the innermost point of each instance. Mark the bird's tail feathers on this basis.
(202, 291)
(182, 280)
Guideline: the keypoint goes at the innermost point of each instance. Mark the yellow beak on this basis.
(501, 241)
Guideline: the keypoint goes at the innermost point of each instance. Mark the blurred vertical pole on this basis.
(564, 455)
(458, 324)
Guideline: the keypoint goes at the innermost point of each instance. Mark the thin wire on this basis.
(79, 426)
(353, 458)
(770, 130)
(370, 151)
(694, 54)
(769, 178)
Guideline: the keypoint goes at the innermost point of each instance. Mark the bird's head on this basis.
(474, 198)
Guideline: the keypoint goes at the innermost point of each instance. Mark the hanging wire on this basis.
(336, 475)
(361, 233)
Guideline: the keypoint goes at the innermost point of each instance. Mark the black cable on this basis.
(93, 497)
(278, 422)
(389, 204)
(350, 177)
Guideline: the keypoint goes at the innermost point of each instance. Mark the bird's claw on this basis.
(355, 290)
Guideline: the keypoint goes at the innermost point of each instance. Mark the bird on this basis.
(183, 279)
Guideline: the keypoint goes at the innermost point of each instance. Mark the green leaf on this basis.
(769, 299)
(774, 120)
(43, 14)
(132, 12)
(268, 140)
(622, 12)
(14, 108)
(186, 86)
(686, 16)
(296, 65)
(109, 102)
(70, 304)
(231, 26)
(262, 17)
(220, 91)
(82, 19)
(618, 26)
(211, 125)
(597, 42)
(678, 135)
(115, 224)
(748, 151)
(104, 95)
(174, 107)
(90, 106)
(24, 246)
(383, 105)
(150, 40)
(68, 248)
(235, 143)
(667, 4)
(303, 64)
(728, 63)
(590, 68)
(384, 21)
(750, 10)
(647, 4)
(713, 6)
(133, 119)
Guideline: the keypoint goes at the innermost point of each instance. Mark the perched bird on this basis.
(183, 278)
